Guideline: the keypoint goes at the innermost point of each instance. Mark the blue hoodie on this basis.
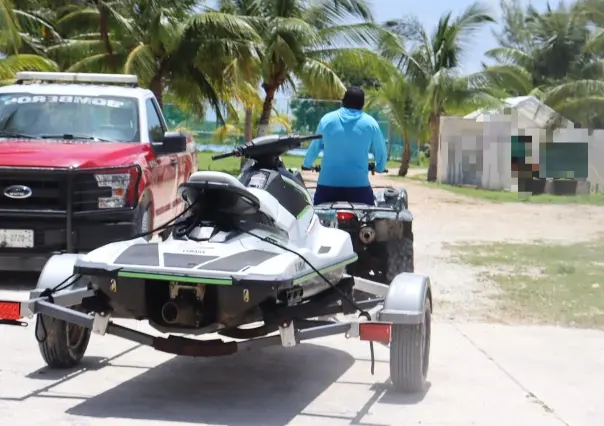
(349, 135)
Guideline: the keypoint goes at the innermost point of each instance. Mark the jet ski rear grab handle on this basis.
(290, 333)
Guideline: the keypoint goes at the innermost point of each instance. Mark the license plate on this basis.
(16, 238)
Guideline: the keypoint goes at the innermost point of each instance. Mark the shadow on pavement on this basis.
(390, 396)
(55, 378)
(268, 387)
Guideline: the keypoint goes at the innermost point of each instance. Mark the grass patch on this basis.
(554, 284)
(231, 165)
(512, 197)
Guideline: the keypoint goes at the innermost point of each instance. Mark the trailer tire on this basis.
(410, 353)
(62, 345)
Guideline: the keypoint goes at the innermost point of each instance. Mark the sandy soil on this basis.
(441, 217)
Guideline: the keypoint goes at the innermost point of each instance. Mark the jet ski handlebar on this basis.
(371, 168)
(270, 145)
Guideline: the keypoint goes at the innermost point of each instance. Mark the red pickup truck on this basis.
(85, 160)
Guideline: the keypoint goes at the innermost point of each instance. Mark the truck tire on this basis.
(400, 257)
(144, 220)
(410, 354)
(62, 344)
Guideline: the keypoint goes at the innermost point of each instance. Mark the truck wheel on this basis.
(62, 344)
(144, 220)
(400, 257)
(410, 354)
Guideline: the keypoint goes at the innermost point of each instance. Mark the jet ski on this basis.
(246, 246)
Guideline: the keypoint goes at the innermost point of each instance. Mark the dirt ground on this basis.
(441, 217)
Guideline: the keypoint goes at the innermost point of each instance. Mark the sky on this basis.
(429, 12)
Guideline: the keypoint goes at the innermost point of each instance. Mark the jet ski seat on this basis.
(225, 194)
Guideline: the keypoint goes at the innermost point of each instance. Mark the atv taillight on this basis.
(345, 216)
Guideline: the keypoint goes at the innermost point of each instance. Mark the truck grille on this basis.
(50, 191)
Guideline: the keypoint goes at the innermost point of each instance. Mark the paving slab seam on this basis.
(530, 394)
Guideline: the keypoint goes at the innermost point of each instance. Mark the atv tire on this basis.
(61, 344)
(400, 257)
(410, 354)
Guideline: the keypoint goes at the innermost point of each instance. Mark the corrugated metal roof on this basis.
(529, 106)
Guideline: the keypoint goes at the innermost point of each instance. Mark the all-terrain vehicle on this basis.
(381, 233)
(246, 251)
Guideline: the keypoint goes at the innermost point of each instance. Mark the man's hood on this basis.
(32, 153)
(347, 115)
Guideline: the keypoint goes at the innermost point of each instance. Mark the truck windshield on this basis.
(102, 118)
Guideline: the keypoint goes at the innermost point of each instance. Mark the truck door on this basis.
(165, 172)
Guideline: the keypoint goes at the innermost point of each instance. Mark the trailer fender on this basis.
(56, 270)
(405, 302)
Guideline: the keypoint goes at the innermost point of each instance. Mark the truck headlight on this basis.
(119, 189)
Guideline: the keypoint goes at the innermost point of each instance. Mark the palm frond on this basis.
(10, 41)
(320, 80)
(140, 61)
(511, 55)
(221, 26)
(328, 13)
(14, 63)
(361, 34)
(581, 89)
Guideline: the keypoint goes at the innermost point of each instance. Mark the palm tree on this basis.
(553, 56)
(433, 65)
(96, 20)
(167, 44)
(407, 112)
(11, 43)
(298, 38)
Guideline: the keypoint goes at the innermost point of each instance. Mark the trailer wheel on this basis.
(410, 354)
(62, 344)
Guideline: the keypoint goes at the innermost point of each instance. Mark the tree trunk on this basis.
(267, 108)
(389, 155)
(248, 131)
(157, 87)
(406, 156)
(434, 123)
(104, 28)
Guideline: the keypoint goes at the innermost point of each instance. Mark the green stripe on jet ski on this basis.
(303, 212)
(325, 270)
(179, 278)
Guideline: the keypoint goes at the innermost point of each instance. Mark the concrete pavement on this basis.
(479, 375)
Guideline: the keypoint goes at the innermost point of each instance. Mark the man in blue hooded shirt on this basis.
(349, 135)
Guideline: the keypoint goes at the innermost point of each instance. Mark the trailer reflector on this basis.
(10, 310)
(375, 331)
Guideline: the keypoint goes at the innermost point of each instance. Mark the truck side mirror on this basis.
(172, 143)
